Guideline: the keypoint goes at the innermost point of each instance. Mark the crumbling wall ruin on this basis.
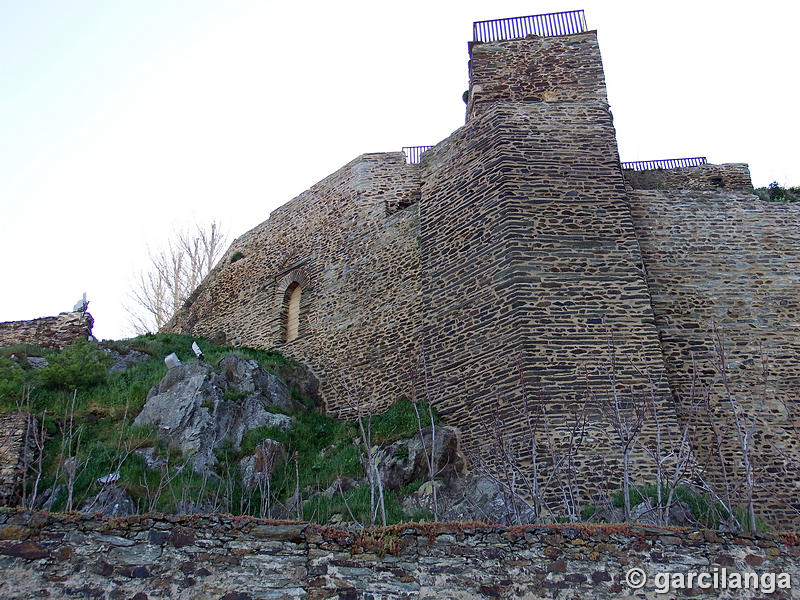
(49, 332)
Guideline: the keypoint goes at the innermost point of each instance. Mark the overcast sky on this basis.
(122, 121)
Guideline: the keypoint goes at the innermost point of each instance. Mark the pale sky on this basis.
(123, 121)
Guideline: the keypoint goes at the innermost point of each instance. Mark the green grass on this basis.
(356, 501)
(703, 507)
(399, 421)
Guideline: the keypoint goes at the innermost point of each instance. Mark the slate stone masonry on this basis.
(217, 557)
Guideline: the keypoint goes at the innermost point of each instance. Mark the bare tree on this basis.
(728, 484)
(626, 418)
(430, 453)
(365, 451)
(530, 482)
(69, 460)
(173, 275)
(32, 448)
(746, 425)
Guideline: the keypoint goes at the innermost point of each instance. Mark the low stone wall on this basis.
(727, 177)
(50, 332)
(240, 558)
(12, 459)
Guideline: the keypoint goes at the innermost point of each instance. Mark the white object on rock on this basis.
(197, 351)
(81, 305)
(172, 360)
(110, 478)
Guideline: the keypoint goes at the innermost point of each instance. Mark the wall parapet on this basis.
(221, 556)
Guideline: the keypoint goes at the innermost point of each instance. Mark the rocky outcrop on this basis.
(245, 376)
(122, 360)
(50, 332)
(469, 498)
(111, 501)
(300, 379)
(404, 461)
(257, 468)
(196, 410)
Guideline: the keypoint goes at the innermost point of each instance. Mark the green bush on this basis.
(776, 192)
(79, 366)
(12, 377)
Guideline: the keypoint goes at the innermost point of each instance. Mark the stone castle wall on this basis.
(731, 260)
(350, 242)
(50, 332)
(519, 245)
(239, 558)
(545, 69)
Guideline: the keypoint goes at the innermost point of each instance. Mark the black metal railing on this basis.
(560, 23)
(670, 163)
(414, 153)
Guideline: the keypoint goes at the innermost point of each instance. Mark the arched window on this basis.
(291, 312)
(292, 303)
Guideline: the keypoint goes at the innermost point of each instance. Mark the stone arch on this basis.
(291, 297)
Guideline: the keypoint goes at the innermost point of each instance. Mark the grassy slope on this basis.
(102, 408)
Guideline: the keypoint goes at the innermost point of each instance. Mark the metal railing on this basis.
(670, 163)
(414, 153)
(560, 23)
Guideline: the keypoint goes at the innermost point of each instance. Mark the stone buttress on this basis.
(530, 263)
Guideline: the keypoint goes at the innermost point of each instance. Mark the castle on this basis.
(513, 254)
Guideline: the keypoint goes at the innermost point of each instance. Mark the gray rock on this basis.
(470, 498)
(644, 513)
(47, 498)
(121, 362)
(404, 461)
(247, 376)
(37, 362)
(301, 380)
(181, 409)
(680, 514)
(256, 469)
(150, 459)
(140, 554)
(197, 410)
(339, 486)
(112, 501)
